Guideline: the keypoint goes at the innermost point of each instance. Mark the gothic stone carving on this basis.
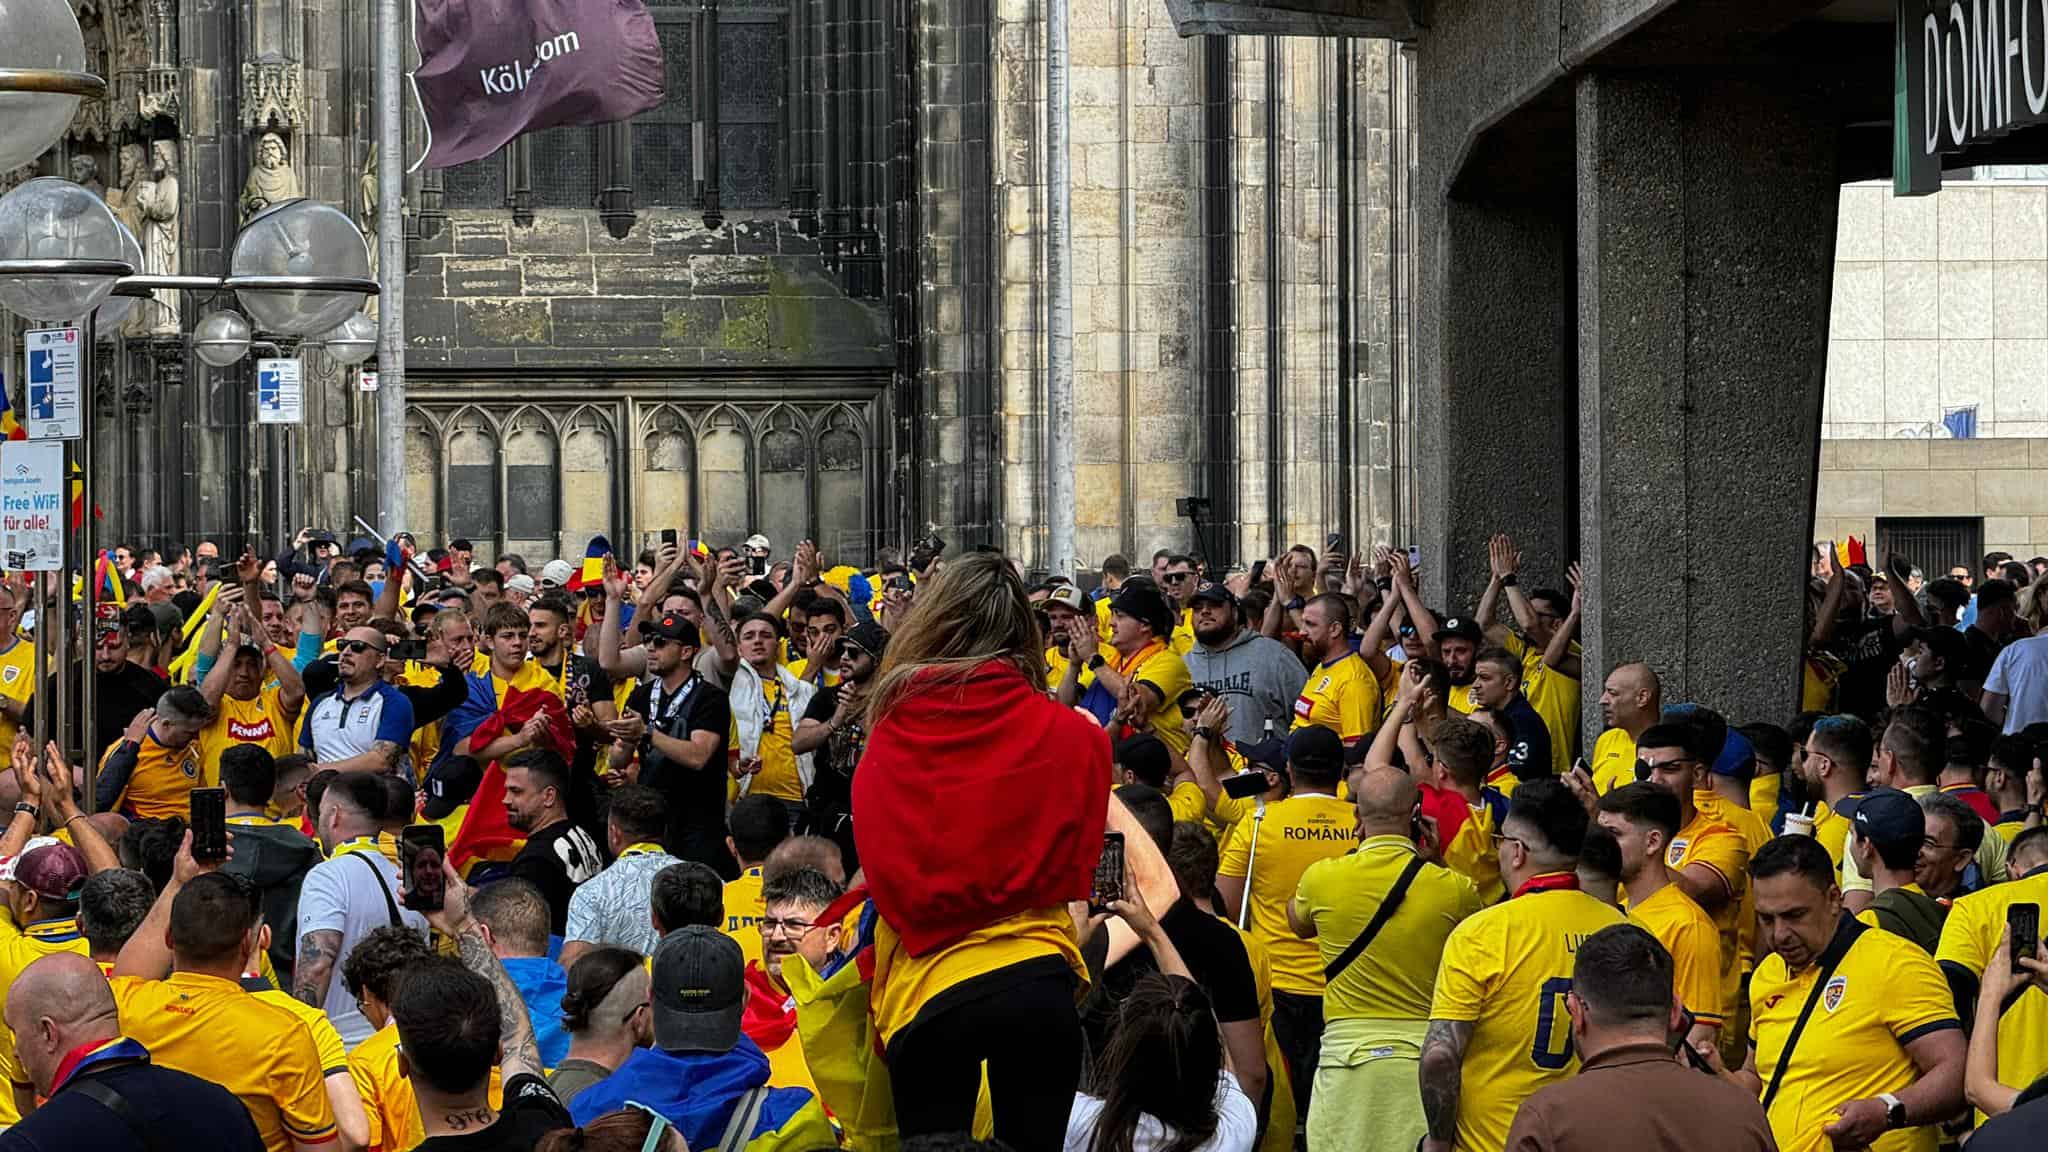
(270, 95)
(272, 180)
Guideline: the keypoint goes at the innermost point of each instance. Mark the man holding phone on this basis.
(1969, 939)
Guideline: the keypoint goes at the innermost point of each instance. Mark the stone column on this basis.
(1706, 244)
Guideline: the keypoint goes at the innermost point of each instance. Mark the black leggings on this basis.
(1023, 1022)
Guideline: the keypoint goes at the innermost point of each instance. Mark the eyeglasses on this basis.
(1177, 577)
(1500, 838)
(1931, 842)
(653, 642)
(358, 647)
(657, 1126)
(772, 927)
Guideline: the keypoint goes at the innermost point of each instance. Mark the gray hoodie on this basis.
(1261, 678)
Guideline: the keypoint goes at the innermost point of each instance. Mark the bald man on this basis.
(1630, 701)
(806, 852)
(1380, 917)
(102, 1091)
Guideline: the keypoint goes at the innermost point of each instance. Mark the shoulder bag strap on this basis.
(1845, 936)
(390, 905)
(1395, 895)
(107, 1097)
(745, 1114)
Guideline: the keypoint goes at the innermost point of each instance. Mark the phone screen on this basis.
(668, 537)
(420, 849)
(209, 824)
(757, 565)
(1246, 785)
(2024, 922)
(1109, 871)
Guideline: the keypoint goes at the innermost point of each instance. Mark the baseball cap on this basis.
(1889, 816)
(1461, 628)
(673, 626)
(1315, 744)
(49, 868)
(1268, 754)
(556, 574)
(1146, 603)
(520, 582)
(758, 541)
(1145, 756)
(699, 991)
(1068, 596)
(1213, 593)
(867, 636)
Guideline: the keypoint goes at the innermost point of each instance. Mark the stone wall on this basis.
(2003, 481)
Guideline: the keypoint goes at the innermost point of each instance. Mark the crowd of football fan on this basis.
(742, 850)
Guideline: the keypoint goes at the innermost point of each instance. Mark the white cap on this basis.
(556, 574)
(520, 583)
(758, 541)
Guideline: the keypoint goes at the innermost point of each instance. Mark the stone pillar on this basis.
(1493, 375)
(1706, 245)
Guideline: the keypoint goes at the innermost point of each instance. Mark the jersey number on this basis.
(1553, 1046)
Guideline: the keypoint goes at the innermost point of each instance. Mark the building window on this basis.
(531, 486)
(663, 164)
(1932, 544)
(472, 489)
(753, 81)
(564, 167)
(477, 184)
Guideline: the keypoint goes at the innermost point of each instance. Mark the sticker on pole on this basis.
(366, 379)
(32, 516)
(55, 407)
(280, 392)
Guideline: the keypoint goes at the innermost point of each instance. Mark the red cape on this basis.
(486, 833)
(979, 798)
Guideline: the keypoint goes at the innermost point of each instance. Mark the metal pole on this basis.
(42, 717)
(88, 690)
(390, 267)
(1059, 361)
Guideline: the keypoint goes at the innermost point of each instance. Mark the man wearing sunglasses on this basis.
(1179, 584)
(365, 724)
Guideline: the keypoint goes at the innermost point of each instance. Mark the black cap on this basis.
(1145, 756)
(700, 991)
(450, 785)
(1268, 754)
(1213, 593)
(1460, 628)
(1144, 602)
(674, 627)
(868, 637)
(1889, 816)
(320, 536)
(1315, 744)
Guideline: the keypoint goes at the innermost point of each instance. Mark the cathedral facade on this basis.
(804, 296)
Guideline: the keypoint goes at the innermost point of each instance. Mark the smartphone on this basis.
(757, 566)
(668, 537)
(1334, 542)
(410, 650)
(1246, 785)
(1258, 572)
(2024, 922)
(1109, 871)
(209, 824)
(1415, 557)
(420, 850)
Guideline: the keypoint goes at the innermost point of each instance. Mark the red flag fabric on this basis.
(770, 1016)
(486, 833)
(491, 70)
(979, 798)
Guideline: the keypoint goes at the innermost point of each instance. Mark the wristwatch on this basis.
(1508, 581)
(30, 809)
(1894, 1111)
(1204, 732)
(1096, 662)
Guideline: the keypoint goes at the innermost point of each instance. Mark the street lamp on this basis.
(289, 265)
(108, 317)
(221, 337)
(60, 250)
(41, 58)
(352, 341)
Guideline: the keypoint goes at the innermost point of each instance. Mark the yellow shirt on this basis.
(387, 1095)
(1755, 834)
(1613, 762)
(1709, 841)
(1460, 698)
(1554, 696)
(1688, 933)
(20, 948)
(1968, 938)
(326, 1041)
(2009, 830)
(1183, 633)
(1885, 993)
(262, 721)
(1394, 978)
(426, 739)
(1831, 828)
(1295, 833)
(264, 1054)
(1343, 696)
(1056, 670)
(1162, 668)
(743, 911)
(17, 683)
(1506, 971)
(1472, 852)
(797, 668)
(904, 984)
(1188, 803)
(778, 776)
(1763, 796)
(161, 785)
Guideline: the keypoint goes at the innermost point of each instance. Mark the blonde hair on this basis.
(972, 611)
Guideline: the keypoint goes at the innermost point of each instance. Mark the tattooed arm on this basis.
(1443, 1060)
(319, 952)
(520, 1051)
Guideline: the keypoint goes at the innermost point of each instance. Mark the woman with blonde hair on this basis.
(982, 809)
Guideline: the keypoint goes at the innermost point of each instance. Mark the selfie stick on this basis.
(1251, 860)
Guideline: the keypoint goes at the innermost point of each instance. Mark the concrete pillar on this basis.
(1706, 241)
(1493, 382)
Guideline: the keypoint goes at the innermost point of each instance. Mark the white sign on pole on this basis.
(55, 408)
(280, 392)
(32, 516)
(366, 379)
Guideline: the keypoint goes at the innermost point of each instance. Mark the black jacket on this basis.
(275, 858)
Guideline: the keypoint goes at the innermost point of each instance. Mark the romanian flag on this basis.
(591, 575)
(10, 428)
(109, 581)
(486, 835)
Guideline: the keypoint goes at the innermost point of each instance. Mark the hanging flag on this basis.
(10, 428)
(491, 70)
(77, 493)
(1961, 422)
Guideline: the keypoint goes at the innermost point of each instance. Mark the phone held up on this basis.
(209, 824)
(1246, 785)
(420, 851)
(1109, 872)
(2023, 921)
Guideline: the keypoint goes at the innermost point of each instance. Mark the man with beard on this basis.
(558, 856)
(791, 925)
(1257, 673)
(1341, 693)
(834, 731)
(1063, 606)
(678, 725)
(373, 737)
(586, 690)
(1457, 645)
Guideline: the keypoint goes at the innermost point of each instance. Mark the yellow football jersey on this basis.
(743, 912)
(19, 948)
(1968, 938)
(1162, 668)
(1506, 971)
(1343, 696)
(17, 683)
(1295, 833)
(1554, 696)
(161, 784)
(1688, 933)
(1885, 993)
(262, 721)
(1709, 841)
(1472, 851)
(1396, 977)
(1613, 763)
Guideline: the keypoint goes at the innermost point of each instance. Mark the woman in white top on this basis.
(1162, 1076)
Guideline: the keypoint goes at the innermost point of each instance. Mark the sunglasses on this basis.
(358, 647)
(657, 1126)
